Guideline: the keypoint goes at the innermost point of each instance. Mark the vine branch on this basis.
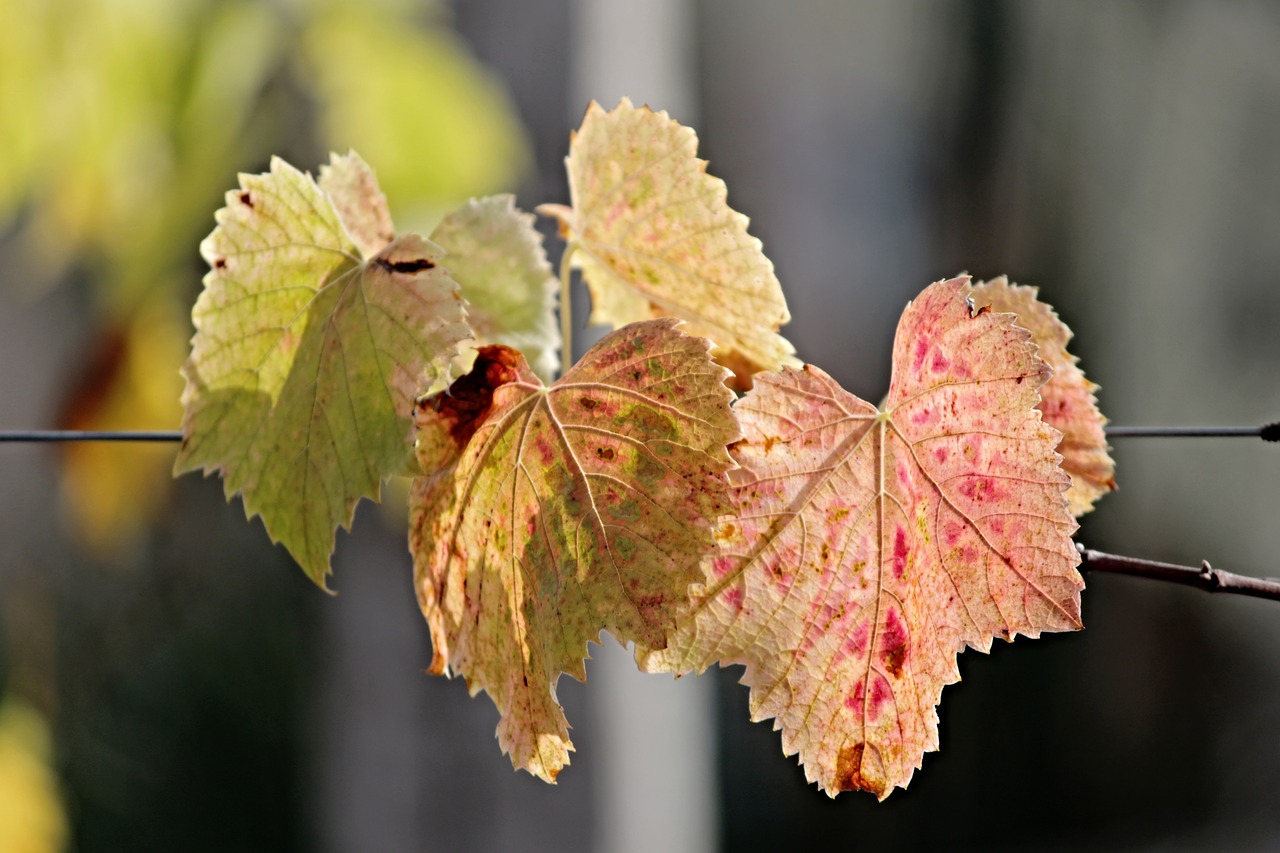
(1205, 577)
(1266, 432)
(45, 435)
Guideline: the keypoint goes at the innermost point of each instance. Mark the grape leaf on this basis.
(496, 255)
(1067, 399)
(307, 359)
(353, 190)
(654, 236)
(572, 509)
(872, 545)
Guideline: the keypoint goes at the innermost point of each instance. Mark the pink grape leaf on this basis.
(570, 509)
(353, 189)
(654, 236)
(872, 545)
(1067, 400)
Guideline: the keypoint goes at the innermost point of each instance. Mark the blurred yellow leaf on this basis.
(31, 814)
(129, 381)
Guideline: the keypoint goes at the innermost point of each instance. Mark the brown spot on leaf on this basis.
(587, 403)
(894, 653)
(99, 367)
(405, 267)
(605, 453)
(467, 403)
(246, 199)
(220, 263)
(849, 771)
(893, 660)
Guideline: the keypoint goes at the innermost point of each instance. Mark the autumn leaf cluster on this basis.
(844, 553)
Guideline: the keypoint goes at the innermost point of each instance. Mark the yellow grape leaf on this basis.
(113, 489)
(1067, 399)
(654, 236)
(308, 357)
(872, 545)
(32, 819)
(496, 256)
(573, 509)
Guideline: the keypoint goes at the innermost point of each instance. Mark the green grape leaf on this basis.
(496, 255)
(872, 545)
(654, 236)
(1067, 400)
(571, 509)
(307, 359)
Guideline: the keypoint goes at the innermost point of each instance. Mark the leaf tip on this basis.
(854, 774)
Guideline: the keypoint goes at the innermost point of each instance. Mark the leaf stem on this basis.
(1205, 577)
(46, 435)
(566, 308)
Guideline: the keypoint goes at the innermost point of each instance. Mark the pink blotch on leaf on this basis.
(879, 695)
(721, 566)
(981, 489)
(856, 643)
(899, 552)
(894, 648)
(952, 532)
(922, 349)
(854, 701)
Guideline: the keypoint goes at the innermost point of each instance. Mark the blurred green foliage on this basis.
(121, 123)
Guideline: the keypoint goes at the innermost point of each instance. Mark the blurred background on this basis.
(170, 680)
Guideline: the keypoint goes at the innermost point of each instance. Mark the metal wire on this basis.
(44, 435)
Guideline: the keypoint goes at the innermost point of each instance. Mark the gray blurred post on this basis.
(657, 742)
